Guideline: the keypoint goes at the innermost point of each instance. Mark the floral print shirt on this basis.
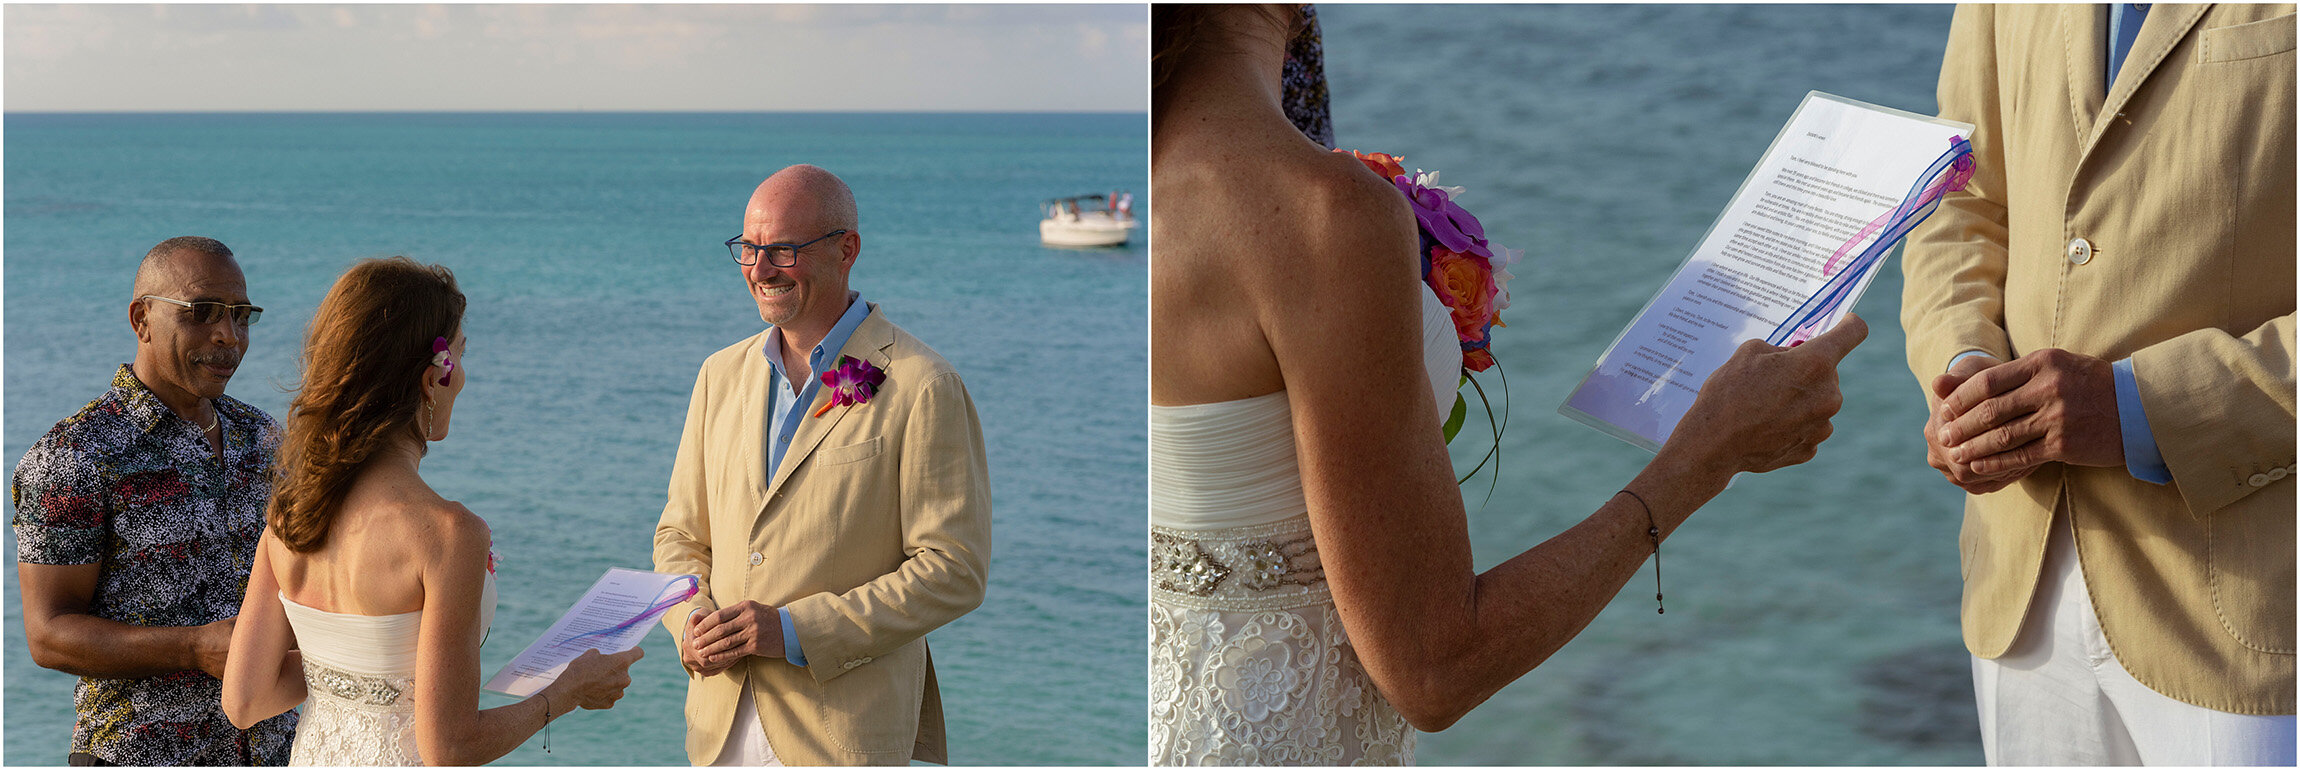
(127, 484)
(1304, 79)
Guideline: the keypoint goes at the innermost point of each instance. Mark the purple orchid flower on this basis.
(440, 358)
(852, 381)
(1445, 221)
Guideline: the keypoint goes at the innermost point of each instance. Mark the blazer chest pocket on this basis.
(2252, 40)
(851, 453)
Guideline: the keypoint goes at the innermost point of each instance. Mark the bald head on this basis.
(807, 218)
(165, 266)
(185, 360)
(804, 192)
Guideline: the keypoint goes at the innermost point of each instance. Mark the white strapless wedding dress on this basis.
(1249, 662)
(359, 678)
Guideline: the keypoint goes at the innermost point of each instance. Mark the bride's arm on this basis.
(450, 729)
(263, 674)
(1437, 637)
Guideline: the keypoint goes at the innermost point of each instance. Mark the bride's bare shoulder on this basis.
(433, 531)
(1283, 206)
(1360, 217)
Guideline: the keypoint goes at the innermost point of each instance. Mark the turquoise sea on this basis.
(1812, 611)
(590, 248)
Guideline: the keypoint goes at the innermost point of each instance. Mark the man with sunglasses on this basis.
(137, 518)
(833, 525)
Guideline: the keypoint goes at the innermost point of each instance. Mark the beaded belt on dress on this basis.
(1262, 567)
(359, 689)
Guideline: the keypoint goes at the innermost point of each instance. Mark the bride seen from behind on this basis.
(370, 593)
(1300, 484)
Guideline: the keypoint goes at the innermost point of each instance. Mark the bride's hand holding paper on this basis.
(612, 617)
(1766, 408)
(593, 680)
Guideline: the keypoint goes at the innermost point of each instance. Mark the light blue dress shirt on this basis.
(787, 411)
(2124, 21)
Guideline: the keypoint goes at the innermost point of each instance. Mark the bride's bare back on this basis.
(387, 534)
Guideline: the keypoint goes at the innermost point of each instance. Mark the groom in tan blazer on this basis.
(830, 538)
(2103, 324)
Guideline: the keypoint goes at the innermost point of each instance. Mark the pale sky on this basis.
(575, 57)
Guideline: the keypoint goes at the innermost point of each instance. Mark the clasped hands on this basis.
(1993, 422)
(716, 641)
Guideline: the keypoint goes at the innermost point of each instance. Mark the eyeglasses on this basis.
(747, 253)
(204, 313)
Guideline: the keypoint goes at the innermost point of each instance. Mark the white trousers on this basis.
(747, 742)
(2059, 697)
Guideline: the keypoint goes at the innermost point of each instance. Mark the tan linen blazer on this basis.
(874, 531)
(2181, 181)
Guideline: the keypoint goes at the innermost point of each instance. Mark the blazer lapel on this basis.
(2084, 33)
(868, 343)
(756, 379)
(2166, 25)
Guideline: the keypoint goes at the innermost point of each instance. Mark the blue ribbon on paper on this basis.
(1949, 172)
(663, 601)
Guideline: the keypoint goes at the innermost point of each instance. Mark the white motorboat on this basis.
(1088, 220)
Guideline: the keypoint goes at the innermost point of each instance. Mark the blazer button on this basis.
(758, 559)
(852, 663)
(2079, 251)
(2278, 474)
(865, 659)
(2259, 479)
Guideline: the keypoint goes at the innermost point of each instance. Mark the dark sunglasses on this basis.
(205, 313)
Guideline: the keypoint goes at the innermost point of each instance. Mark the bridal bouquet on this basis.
(1468, 273)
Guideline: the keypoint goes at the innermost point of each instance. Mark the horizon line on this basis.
(576, 111)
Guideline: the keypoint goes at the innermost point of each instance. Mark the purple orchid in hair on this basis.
(440, 358)
(852, 381)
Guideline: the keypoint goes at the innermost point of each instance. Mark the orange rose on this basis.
(1477, 360)
(1382, 163)
(1465, 284)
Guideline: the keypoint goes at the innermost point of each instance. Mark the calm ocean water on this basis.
(589, 246)
(1812, 611)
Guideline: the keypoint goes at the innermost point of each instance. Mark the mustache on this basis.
(217, 358)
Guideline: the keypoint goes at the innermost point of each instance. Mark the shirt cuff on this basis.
(791, 650)
(1964, 355)
(2141, 457)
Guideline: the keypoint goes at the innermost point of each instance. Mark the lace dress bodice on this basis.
(359, 681)
(1250, 664)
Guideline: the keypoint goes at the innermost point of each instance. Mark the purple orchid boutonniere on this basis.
(852, 381)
